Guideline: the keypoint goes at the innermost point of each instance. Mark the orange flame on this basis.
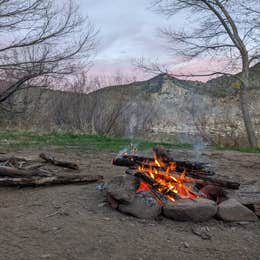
(169, 181)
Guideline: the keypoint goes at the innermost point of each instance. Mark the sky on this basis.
(128, 30)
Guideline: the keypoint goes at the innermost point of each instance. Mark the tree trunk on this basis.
(244, 105)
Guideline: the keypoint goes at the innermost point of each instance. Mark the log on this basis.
(198, 167)
(204, 180)
(196, 171)
(153, 183)
(13, 162)
(51, 180)
(11, 172)
(52, 160)
(133, 161)
(5, 159)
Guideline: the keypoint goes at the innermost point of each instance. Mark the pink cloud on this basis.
(201, 66)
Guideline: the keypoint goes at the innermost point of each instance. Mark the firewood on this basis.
(52, 160)
(196, 171)
(204, 180)
(12, 172)
(5, 159)
(51, 180)
(133, 161)
(153, 183)
(13, 162)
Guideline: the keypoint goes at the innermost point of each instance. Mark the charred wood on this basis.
(133, 161)
(153, 183)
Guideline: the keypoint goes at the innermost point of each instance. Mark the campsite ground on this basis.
(75, 222)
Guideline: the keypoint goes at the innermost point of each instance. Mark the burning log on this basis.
(173, 180)
(154, 184)
(52, 160)
(50, 180)
(133, 161)
(163, 163)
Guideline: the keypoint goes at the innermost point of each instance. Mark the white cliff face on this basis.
(183, 116)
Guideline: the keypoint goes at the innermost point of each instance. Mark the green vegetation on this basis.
(241, 149)
(15, 139)
(20, 140)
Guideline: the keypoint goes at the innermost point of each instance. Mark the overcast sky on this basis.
(128, 30)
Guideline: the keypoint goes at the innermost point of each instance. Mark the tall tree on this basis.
(220, 28)
(42, 43)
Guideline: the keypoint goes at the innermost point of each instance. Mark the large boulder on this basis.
(123, 188)
(190, 209)
(144, 205)
(232, 210)
(121, 193)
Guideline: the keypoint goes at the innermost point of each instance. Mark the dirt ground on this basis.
(74, 222)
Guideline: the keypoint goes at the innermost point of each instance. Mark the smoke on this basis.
(199, 146)
(132, 126)
(131, 149)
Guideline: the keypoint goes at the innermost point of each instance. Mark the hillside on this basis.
(162, 108)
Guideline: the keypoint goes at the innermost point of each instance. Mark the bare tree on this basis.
(42, 43)
(220, 28)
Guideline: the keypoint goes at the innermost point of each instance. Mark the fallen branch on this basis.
(51, 180)
(11, 172)
(52, 160)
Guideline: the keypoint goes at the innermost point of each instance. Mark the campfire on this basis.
(182, 190)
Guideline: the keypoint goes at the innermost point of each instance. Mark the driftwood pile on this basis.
(20, 172)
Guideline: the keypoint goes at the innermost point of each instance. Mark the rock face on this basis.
(143, 206)
(190, 210)
(232, 210)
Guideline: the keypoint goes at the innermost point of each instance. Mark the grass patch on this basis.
(20, 140)
(15, 139)
(240, 149)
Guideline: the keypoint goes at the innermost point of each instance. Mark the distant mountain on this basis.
(222, 86)
(226, 85)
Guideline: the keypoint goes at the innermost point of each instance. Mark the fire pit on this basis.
(180, 190)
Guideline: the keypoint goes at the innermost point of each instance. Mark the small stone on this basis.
(190, 209)
(101, 205)
(232, 210)
(144, 206)
(186, 244)
(201, 232)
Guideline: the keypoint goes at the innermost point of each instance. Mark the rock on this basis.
(232, 210)
(202, 232)
(190, 209)
(122, 188)
(257, 209)
(144, 206)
